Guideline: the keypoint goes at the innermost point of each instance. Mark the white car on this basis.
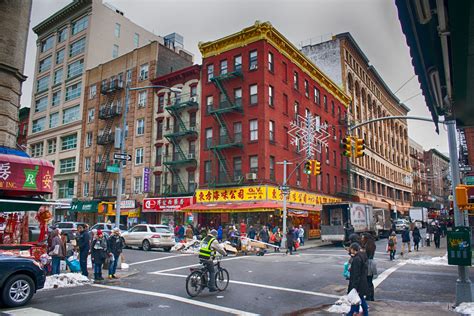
(148, 236)
(400, 225)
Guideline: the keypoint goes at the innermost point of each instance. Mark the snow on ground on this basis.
(430, 261)
(124, 266)
(465, 308)
(342, 306)
(65, 280)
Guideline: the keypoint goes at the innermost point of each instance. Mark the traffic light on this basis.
(461, 196)
(307, 167)
(346, 144)
(359, 147)
(316, 167)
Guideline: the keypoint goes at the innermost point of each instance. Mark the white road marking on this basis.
(262, 286)
(78, 293)
(179, 299)
(29, 311)
(157, 259)
(382, 276)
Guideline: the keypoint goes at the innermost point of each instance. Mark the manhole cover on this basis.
(138, 304)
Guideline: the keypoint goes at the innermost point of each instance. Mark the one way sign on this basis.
(119, 156)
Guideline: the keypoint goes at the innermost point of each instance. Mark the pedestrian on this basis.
(429, 233)
(369, 247)
(83, 241)
(252, 233)
(115, 243)
(278, 235)
(219, 233)
(56, 251)
(394, 227)
(354, 238)
(301, 235)
(189, 233)
(444, 228)
(358, 278)
(99, 253)
(437, 235)
(405, 240)
(392, 245)
(416, 238)
(243, 228)
(263, 235)
(181, 232)
(290, 239)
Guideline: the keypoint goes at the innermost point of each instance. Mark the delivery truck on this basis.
(383, 222)
(340, 220)
(419, 214)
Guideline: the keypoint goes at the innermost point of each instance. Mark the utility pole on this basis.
(285, 190)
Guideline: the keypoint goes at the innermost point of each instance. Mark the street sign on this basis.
(465, 168)
(469, 180)
(459, 246)
(113, 169)
(119, 156)
(285, 189)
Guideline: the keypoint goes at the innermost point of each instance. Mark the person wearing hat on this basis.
(115, 246)
(207, 252)
(99, 252)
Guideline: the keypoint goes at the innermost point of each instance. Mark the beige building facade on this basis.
(382, 177)
(419, 175)
(78, 37)
(438, 179)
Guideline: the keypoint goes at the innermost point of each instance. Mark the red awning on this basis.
(25, 176)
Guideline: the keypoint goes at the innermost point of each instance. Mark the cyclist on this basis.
(207, 252)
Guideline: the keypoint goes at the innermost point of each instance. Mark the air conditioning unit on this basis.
(193, 99)
(327, 161)
(251, 176)
(191, 156)
(298, 183)
(253, 67)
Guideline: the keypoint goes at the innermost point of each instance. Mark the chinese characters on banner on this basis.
(166, 204)
(25, 174)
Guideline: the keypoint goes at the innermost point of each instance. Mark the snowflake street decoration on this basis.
(312, 134)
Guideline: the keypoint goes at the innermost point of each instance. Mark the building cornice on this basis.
(180, 76)
(266, 32)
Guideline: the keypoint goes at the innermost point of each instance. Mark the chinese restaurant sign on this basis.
(25, 174)
(166, 204)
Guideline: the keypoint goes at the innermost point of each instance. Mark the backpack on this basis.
(391, 243)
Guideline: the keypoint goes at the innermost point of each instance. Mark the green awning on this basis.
(84, 206)
(23, 206)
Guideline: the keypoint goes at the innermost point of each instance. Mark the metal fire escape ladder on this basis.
(175, 172)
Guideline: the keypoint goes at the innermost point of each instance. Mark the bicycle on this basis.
(198, 280)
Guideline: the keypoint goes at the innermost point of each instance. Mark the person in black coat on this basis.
(289, 240)
(116, 244)
(99, 252)
(358, 278)
(368, 246)
(437, 235)
(416, 238)
(83, 242)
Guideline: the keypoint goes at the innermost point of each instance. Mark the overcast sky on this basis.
(373, 23)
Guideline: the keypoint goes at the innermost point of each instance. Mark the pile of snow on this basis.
(124, 266)
(430, 261)
(342, 306)
(465, 309)
(65, 280)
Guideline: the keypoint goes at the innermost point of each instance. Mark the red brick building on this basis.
(24, 116)
(254, 84)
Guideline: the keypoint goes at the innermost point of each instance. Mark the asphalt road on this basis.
(274, 284)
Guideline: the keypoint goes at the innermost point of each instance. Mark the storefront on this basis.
(85, 211)
(168, 210)
(129, 213)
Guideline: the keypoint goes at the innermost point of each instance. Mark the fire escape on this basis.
(226, 140)
(108, 112)
(180, 130)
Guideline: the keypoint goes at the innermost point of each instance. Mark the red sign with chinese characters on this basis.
(19, 175)
(171, 204)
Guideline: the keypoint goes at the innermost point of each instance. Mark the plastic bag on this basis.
(353, 297)
(346, 274)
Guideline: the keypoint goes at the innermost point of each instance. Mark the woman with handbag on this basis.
(358, 279)
(99, 253)
(56, 251)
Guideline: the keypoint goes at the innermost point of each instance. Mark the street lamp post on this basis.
(122, 140)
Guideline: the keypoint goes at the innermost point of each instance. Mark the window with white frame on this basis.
(38, 125)
(140, 127)
(60, 56)
(42, 84)
(41, 104)
(210, 72)
(66, 189)
(86, 189)
(253, 60)
(208, 134)
(223, 67)
(58, 76)
(271, 129)
(207, 171)
(78, 47)
(209, 103)
(47, 44)
(138, 184)
(87, 164)
(92, 91)
(90, 115)
(73, 92)
(142, 95)
(295, 80)
(238, 96)
(138, 156)
(37, 150)
(270, 62)
(317, 99)
(67, 165)
(71, 114)
(44, 64)
(238, 63)
(75, 69)
(136, 40)
(79, 25)
(51, 146)
(270, 96)
(54, 120)
(143, 72)
(238, 132)
(253, 94)
(115, 51)
(253, 163)
(306, 88)
(253, 126)
(89, 139)
(69, 142)
(117, 30)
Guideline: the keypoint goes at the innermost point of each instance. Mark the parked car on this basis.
(70, 228)
(148, 236)
(20, 278)
(400, 225)
(107, 228)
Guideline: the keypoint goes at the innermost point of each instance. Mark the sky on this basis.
(373, 23)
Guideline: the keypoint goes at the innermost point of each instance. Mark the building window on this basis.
(306, 88)
(253, 124)
(69, 142)
(223, 67)
(142, 98)
(253, 94)
(253, 163)
(75, 69)
(270, 62)
(38, 125)
(117, 30)
(191, 181)
(58, 76)
(59, 56)
(115, 51)
(42, 84)
(53, 120)
(238, 63)
(325, 101)
(67, 165)
(143, 72)
(210, 72)
(208, 137)
(66, 189)
(71, 114)
(270, 96)
(92, 91)
(51, 146)
(158, 156)
(157, 184)
(333, 111)
(271, 128)
(138, 156)
(159, 130)
(79, 25)
(136, 40)
(73, 92)
(87, 164)
(78, 47)
(296, 108)
(272, 168)
(41, 104)
(209, 103)
(140, 126)
(44, 64)
(161, 103)
(328, 184)
(37, 150)
(137, 186)
(89, 139)
(317, 99)
(62, 35)
(287, 137)
(237, 132)
(86, 189)
(295, 80)
(253, 60)
(47, 44)
(207, 171)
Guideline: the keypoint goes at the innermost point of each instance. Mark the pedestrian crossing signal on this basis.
(359, 148)
(347, 145)
(316, 167)
(307, 167)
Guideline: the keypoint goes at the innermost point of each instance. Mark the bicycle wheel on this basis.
(222, 279)
(194, 283)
